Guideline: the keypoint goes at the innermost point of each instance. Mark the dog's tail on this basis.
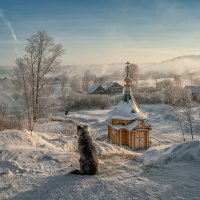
(77, 172)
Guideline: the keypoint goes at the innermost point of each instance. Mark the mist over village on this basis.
(99, 99)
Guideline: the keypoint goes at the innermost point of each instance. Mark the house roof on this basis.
(113, 85)
(116, 84)
(94, 87)
(193, 89)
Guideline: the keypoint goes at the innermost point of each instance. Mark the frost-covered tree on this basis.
(133, 72)
(181, 102)
(178, 81)
(75, 82)
(41, 56)
(63, 80)
(65, 99)
(87, 80)
(65, 94)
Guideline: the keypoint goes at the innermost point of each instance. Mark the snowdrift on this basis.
(106, 149)
(186, 151)
(15, 139)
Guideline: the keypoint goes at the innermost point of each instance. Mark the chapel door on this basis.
(139, 140)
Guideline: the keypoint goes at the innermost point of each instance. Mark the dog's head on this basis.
(82, 130)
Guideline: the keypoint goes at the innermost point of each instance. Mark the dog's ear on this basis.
(85, 127)
(79, 127)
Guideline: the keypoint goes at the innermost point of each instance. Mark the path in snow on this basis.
(119, 178)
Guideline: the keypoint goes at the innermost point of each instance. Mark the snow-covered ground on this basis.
(37, 166)
(165, 126)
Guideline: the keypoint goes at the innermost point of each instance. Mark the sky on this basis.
(103, 31)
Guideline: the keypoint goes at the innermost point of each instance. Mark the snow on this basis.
(165, 126)
(37, 166)
(186, 151)
(127, 110)
(31, 171)
(106, 149)
(128, 127)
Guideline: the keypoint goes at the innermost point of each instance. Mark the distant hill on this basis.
(190, 57)
(178, 64)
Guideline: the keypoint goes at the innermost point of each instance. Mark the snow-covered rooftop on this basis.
(128, 127)
(116, 84)
(94, 87)
(127, 110)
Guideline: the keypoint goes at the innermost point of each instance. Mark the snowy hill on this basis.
(177, 65)
(37, 166)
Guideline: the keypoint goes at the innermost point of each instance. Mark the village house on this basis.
(96, 89)
(114, 88)
(127, 121)
(195, 91)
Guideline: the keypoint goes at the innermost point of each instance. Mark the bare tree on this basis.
(178, 80)
(133, 72)
(191, 76)
(63, 80)
(188, 105)
(22, 81)
(65, 96)
(164, 84)
(41, 56)
(65, 102)
(75, 82)
(172, 98)
(181, 102)
(87, 79)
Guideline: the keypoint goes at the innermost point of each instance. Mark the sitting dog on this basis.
(88, 154)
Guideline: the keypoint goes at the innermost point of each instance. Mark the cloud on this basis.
(9, 25)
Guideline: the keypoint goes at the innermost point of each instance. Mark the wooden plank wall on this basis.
(120, 121)
(129, 138)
